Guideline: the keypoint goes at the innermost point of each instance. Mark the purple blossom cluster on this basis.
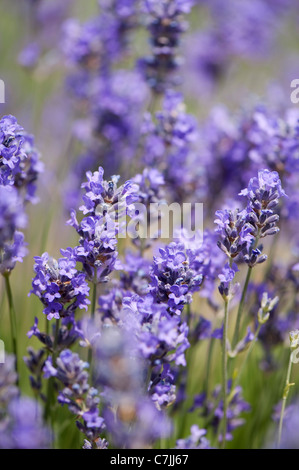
(196, 440)
(19, 161)
(110, 100)
(40, 51)
(243, 144)
(173, 279)
(136, 421)
(165, 24)
(212, 410)
(246, 30)
(12, 218)
(19, 168)
(144, 351)
(171, 143)
(105, 208)
(21, 423)
(60, 287)
(240, 231)
(81, 399)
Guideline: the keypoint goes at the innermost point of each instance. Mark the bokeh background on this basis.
(254, 66)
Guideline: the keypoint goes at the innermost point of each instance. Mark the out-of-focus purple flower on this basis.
(81, 399)
(170, 144)
(246, 30)
(214, 406)
(135, 274)
(196, 440)
(21, 423)
(113, 105)
(20, 163)
(166, 26)
(138, 423)
(290, 437)
(30, 55)
(8, 388)
(119, 370)
(69, 332)
(35, 363)
(101, 40)
(24, 427)
(161, 338)
(47, 17)
(12, 217)
(202, 329)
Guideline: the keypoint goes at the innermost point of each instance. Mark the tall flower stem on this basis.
(242, 368)
(13, 322)
(55, 351)
(240, 308)
(209, 362)
(50, 391)
(224, 370)
(287, 387)
(242, 301)
(93, 309)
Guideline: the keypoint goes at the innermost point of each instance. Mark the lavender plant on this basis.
(137, 339)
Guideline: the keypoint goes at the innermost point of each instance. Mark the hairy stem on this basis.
(242, 368)
(13, 322)
(224, 371)
(93, 309)
(209, 362)
(284, 399)
(240, 309)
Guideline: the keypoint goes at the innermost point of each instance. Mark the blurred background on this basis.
(234, 55)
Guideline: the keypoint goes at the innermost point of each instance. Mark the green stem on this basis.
(13, 322)
(50, 391)
(224, 371)
(237, 379)
(209, 361)
(241, 304)
(240, 309)
(184, 410)
(93, 309)
(55, 351)
(284, 399)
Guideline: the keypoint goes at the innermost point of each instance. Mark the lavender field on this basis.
(149, 224)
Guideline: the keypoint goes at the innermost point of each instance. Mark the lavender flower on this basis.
(162, 338)
(171, 143)
(8, 388)
(196, 440)
(19, 162)
(166, 27)
(60, 287)
(12, 217)
(235, 231)
(21, 424)
(102, 197)
(136, 422)
(173, 281)
(81, 399)
(226, 277)
(213, 408)
(24, 427)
